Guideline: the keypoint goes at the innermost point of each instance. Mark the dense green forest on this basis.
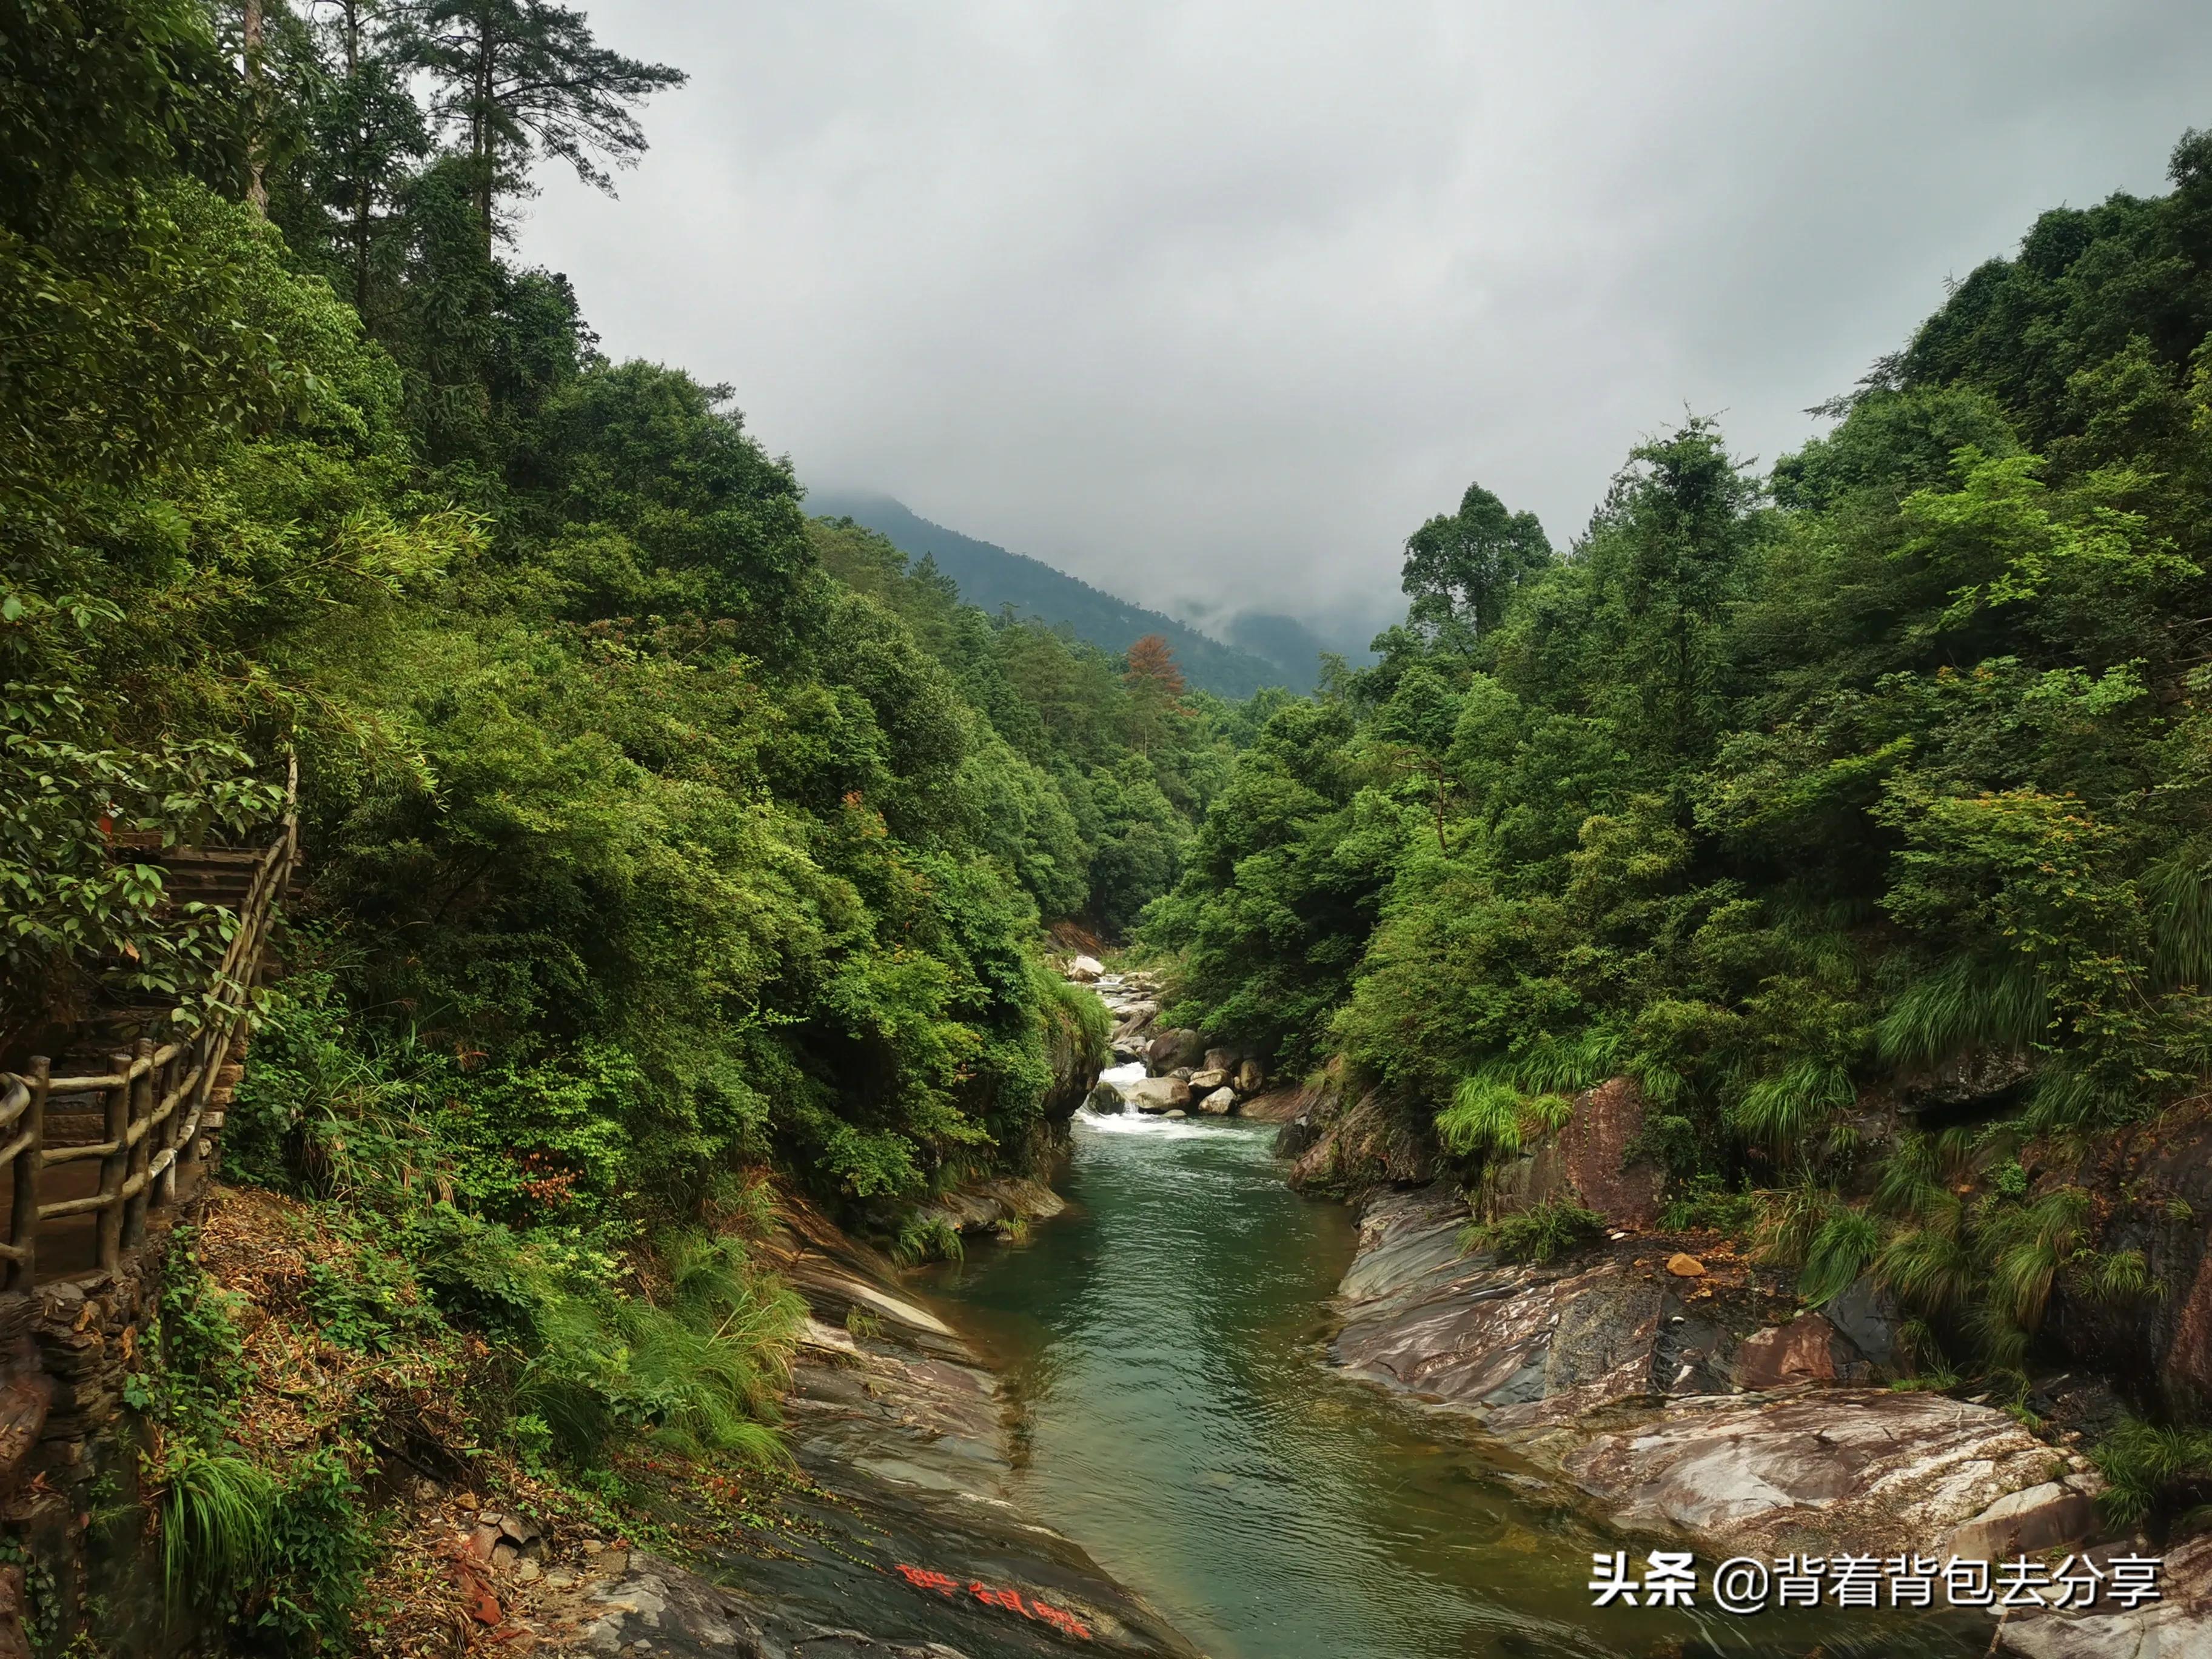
(659, 835)
(1777, 792)
(665, 841)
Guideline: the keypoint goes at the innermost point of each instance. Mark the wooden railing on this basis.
(154, 1100)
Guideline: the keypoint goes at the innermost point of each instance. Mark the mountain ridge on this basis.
(992, 576)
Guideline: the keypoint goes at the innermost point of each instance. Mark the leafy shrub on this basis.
(1705, 1203)
(315, 1554)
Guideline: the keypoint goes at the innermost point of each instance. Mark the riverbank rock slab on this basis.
(1626, 1381)
(2176, 1626)
(1863, 1469)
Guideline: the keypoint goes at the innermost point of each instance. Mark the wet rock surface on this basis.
(1346, 1145)
(894, 1535)
(2158, 1347)
(1708, 1409)
(2176, 1626)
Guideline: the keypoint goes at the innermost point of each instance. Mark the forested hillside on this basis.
(990, 578)
(659, 838)
(1881, 775)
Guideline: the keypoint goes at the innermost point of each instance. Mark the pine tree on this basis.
(1156, 691)
(519, 77)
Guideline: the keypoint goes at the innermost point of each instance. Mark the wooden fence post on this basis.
(142, 1111)
(165, 1139)
(23, 1219)
(117, 1134)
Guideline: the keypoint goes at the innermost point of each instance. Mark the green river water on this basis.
(1163, 1340)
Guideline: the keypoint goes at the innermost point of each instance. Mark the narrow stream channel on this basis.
(1161, 1339)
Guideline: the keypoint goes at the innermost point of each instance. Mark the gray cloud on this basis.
(1210, 304)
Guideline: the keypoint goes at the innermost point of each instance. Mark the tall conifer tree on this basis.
(519, 77)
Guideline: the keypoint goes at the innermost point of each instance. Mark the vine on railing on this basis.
(154, 1098)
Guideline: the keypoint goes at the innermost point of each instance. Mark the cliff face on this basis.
(2151, 1187)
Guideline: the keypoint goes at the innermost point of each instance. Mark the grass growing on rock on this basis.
(1554, 1228)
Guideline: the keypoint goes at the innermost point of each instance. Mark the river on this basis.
(1162, 1341)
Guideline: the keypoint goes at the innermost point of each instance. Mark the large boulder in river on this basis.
(1157, 1094)
(1347, 1147)
(1217, 1104)
(1134, 1021)
(1206, 1082)
(1085, 970)
(1251, 1077)
(1177, 1046)
(1272, 1105)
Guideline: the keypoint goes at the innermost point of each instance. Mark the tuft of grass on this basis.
(215, 1513)
(1928, 1269)
(1839, 1253)
(2149, 1470)
(2026, 1245)
(1787, 1112)
(1537, 1234)
(1489, 1117)
(1792, 1221)
(2119, 1276)
(1966, 1003)
(931, 1238)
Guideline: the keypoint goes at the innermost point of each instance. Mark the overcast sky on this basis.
(1211, 304)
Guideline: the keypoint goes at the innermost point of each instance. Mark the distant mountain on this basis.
(990, 576)
(1297, 646)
